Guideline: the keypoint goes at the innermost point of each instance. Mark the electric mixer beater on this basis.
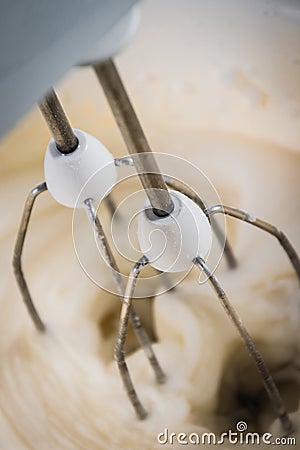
(73, 157)
(71, 160)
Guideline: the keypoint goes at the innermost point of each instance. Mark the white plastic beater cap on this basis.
(89, 171)
(171, 243)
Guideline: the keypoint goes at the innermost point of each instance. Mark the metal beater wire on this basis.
(18, 250)
(140, 332)
(266, 376)
(269, 228)
(119, 352)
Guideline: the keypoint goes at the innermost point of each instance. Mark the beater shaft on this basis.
(58, 123)
(134, 137)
